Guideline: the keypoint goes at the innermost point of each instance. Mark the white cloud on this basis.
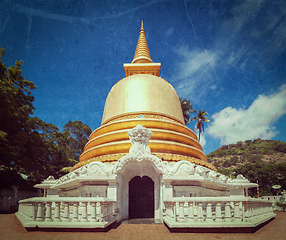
(255, 33)
(232, 125)
(195, 65)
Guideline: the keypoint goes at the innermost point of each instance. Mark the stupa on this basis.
(143, 97)
(143, 162)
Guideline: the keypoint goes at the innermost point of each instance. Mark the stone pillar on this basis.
(57, 212)
(75, 212)
(181, 212)
(34, 211)
(40, 212)
(98, 212)
(84, 212)
(174, 211)
(218, 216)
(227, 215)
(191, 212)
(66, 217)
(200, 212)
(49, 212)
(93, 212)
(209, 217)
(236, 212)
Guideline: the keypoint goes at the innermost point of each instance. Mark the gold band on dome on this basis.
(142, 115)
(158, 134)
(145, 122)
(165, 157)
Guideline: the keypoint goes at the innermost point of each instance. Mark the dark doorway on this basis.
(141, 197)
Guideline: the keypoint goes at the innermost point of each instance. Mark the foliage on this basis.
(201, 118)
(246, 158)
(28, 144)
(249, 147)
(187, 108)
(16, 106)
(76, 134)
(281, 205)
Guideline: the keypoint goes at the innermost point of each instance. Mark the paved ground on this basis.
(11, 228)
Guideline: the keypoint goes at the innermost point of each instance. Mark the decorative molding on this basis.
(167, 157)
(103, 158)
(139, 137)
(92, 170)
(181, 168)
(160, 166)
(143, 116)
(139, 151)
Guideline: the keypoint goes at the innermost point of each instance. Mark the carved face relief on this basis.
(139, 134)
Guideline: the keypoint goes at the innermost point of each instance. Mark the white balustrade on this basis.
(215, 210)
(68, 210)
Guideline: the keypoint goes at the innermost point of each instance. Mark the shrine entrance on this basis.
(141, 197)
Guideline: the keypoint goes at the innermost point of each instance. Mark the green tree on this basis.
(48, 151)
(201, 118)
(77, 134)
(16, 103)
(28, 144)
(187, 108)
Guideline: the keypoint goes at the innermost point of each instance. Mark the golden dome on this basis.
(142, 93)
(143, 97)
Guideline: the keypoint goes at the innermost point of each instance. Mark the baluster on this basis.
(209, 217)
(98, 212)
(35, 209)
(181, 212)
(186, 211)
(40, 212)
(250, 212)
(66, 217)
(75, 212)
(200, 212)
(49, 212)
(191, 212)
(175, 212)
(93, 212)
(246, 212)
(236, 212)
(57, 212)
(218, 216)
(227, 214)
(84, 212)
(109, 211)
(195, 210)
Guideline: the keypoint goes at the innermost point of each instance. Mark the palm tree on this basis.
(201, 118)
(187, 108)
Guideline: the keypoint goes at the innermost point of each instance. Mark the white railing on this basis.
(183, 211)
(67, 211)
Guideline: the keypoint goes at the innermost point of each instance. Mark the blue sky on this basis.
(227, 57)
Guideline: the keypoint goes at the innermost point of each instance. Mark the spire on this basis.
(142, 54)
(142, 62)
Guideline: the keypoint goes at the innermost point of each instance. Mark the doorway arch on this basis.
(141, 197)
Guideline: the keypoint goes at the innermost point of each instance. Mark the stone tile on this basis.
(11, 229)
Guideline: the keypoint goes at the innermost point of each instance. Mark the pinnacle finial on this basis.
(142, 54)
